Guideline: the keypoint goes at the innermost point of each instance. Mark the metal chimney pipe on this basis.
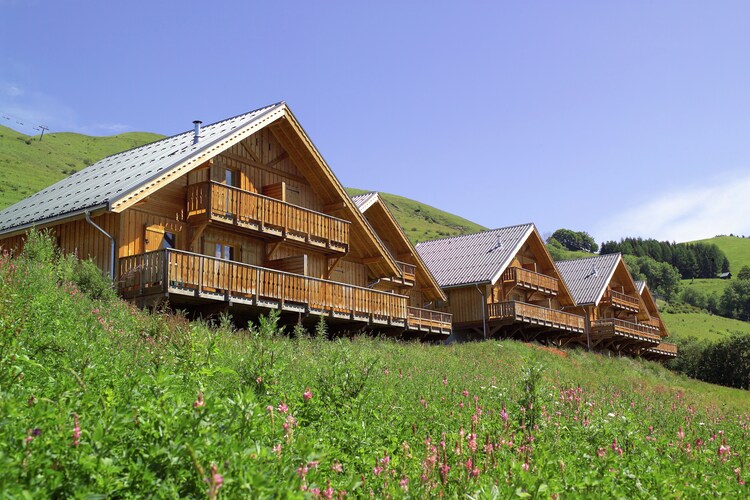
(197, 134)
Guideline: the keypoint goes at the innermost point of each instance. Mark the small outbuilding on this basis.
(725, 276)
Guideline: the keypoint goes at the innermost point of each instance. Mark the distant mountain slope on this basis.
(28, 165)
(736, 249)
(701, 325)
(422, 222)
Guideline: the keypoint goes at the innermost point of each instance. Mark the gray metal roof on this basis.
(114, 177)
(640, 285)
(587, 278)
(365, 201)
(473, 258)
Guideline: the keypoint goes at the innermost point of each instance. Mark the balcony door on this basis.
(157, 237)
(230, 178)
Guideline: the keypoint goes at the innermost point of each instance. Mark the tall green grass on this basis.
(98, 398)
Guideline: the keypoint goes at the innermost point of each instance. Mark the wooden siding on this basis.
(82, 239)
(132, 230)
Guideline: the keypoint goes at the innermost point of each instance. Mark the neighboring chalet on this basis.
(606, 295)
(665, 350)
(414, 279)
(502, 283)
(243, 215)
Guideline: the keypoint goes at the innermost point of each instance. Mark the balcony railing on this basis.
(619, 327)
(428, 320)
(531, 280)
(655, 323)
(185, 273)
(534, 314)
(267, 215)
(665, 349)
(408, 271)
(624, 301)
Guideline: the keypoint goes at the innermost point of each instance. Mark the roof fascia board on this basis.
(206, 152)
(58, 219)
(463, 285)
(391, 262)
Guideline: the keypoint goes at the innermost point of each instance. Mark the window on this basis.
(230, 177)
(225, 252)
(169, 240)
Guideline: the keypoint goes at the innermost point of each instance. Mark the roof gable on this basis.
(589, 277)
(373, 202)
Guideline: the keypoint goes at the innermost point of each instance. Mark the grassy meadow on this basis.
(100, 399)
(701, 325)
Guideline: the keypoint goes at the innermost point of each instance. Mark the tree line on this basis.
(692, 260)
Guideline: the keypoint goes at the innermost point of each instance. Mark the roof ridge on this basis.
(189, 131)
(597, 256)
(476, 233)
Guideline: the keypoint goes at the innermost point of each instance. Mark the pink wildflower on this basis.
(404, 483)
(525, 466)
(76, 430)
(302, 471)
(283, 408)
(504, 414)
(214, 482)
(277, 449)
(337, 467)
(680, 434)
(601, 452)
(307, 395)
(199, 403)
(377, 470)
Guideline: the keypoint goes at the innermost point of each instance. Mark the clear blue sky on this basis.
(618, 118)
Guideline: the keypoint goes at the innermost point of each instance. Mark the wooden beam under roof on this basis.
(261, 166)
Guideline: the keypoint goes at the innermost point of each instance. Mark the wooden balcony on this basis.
(657, 324)
(408, 271)
(408, 274)
(612, 327)
(426, 320)
(623, 301)
(531, 280)
(179, 273)
(665, 350)
(536, 315)
(211, 201)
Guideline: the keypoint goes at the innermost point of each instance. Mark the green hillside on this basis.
(701, 325)
(28, 165)
(422, 222)
(99, 399)
(736, 249)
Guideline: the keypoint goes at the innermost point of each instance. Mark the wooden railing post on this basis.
(165, 272)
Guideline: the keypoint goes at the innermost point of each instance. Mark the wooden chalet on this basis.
(607, 297)
(502, 283)
(665, 350)
(414, 279)
(243, 215)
